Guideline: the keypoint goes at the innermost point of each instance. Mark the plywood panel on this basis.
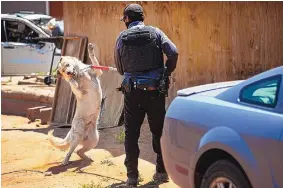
(113, 105)
(217, 41)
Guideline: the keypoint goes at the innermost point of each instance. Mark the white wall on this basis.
(16, 6)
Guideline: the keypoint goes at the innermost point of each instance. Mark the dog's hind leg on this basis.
(88, 143)
(73, 146)
(86, 146)
(76, 135)
(81, 152)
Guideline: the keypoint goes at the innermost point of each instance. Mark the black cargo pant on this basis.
(137, 103)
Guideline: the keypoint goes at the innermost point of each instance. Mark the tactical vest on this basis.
(140, 51)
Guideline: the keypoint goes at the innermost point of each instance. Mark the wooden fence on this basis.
(217, 41)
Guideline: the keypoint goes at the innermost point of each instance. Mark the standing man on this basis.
(56, 27)
(139, 58)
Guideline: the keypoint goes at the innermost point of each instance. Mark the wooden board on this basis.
(64, 104)
(217, 41)
(112, 107)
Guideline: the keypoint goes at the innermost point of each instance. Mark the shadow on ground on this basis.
(78, 165)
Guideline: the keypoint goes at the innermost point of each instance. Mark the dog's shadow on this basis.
(78, 165)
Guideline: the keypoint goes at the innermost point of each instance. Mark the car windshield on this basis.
(42, 23)
(39, 20)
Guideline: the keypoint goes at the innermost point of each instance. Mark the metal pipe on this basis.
(50, 72)
(104, 68)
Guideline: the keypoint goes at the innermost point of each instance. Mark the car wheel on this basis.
(224, 174)
(48, 80)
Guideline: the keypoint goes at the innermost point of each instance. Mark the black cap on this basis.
(132, 9)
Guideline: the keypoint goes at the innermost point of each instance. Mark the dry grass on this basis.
(120, 137)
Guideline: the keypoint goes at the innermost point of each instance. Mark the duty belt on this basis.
(132, 83)
(144, 84)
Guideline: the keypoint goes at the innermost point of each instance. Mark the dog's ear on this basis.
(60, 60)
(58, 74)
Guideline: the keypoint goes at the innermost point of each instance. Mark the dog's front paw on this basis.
(90, 47)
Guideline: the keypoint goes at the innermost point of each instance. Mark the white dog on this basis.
(85, 85)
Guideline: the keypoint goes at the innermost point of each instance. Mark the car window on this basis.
(19, 32)
(263, 92)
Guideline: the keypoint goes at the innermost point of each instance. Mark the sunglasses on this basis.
(123, 18)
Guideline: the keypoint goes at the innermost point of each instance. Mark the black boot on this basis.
(132, 182)
(161, 177)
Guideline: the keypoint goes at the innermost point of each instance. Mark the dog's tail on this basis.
(59, 143)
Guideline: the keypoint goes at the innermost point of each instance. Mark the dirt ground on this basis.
(27, 156)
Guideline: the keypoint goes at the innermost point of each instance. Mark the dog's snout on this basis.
(69, 73)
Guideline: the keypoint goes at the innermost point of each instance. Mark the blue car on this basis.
(227, 135)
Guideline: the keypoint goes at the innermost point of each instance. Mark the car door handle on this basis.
(9, 47)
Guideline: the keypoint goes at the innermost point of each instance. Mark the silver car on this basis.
(20, 54)
(227, 135)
